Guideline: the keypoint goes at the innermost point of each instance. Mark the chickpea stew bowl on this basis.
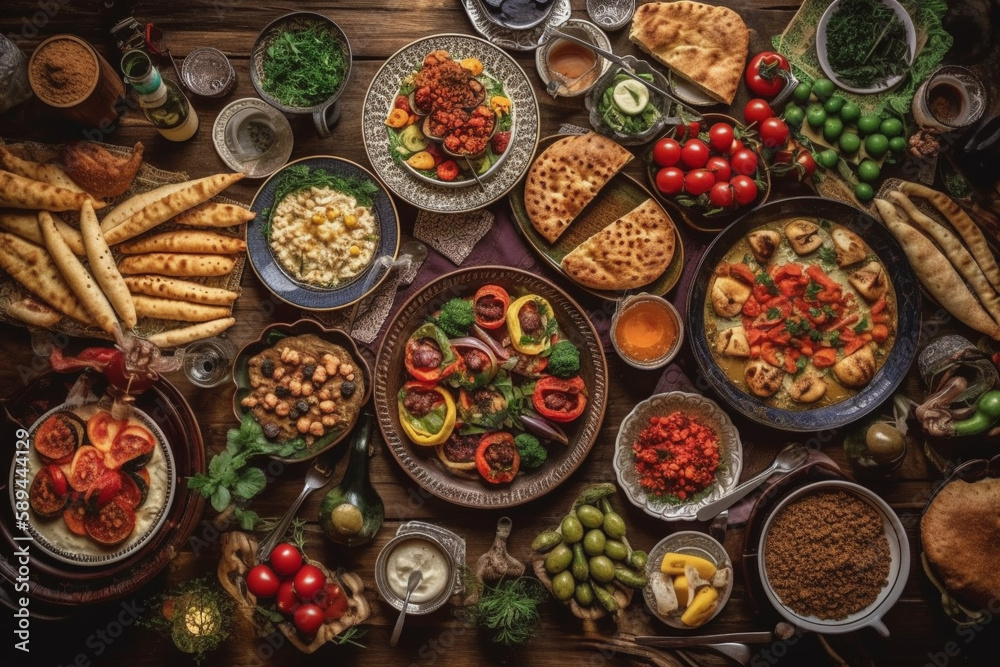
(304, 385)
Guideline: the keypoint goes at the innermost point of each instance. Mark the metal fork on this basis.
(318, 475)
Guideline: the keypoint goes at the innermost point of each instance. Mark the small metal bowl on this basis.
(578, 86)
(208, 72)
(611, 14)
(691, 543)
(325, 113)
(660, 102)
(382, 577)
(667, 357)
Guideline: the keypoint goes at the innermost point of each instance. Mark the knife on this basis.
(762, 637)
(627, 71)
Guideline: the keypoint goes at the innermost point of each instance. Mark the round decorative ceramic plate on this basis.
(692, 543)
(516, 40)
(622, 194)
(898, 359)
(253, 137)
(53, 536)
(708, 413)
(297, 293)
(421, 463)
(424, 194)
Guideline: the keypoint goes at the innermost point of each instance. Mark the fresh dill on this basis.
(304, 67)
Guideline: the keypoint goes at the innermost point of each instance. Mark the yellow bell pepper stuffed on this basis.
(432, 423)
(531, 340)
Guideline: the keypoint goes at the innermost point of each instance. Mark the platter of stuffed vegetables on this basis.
(493, 386)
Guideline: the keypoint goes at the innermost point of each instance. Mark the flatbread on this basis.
(960, 532)
(630, 252)
(566, 177)
(703, 44)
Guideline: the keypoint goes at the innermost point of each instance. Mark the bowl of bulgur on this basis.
(833, 557)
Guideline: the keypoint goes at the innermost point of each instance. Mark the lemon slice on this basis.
(631, 96)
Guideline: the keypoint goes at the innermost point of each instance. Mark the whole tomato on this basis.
(332, 601)
(698, 181)
(744, 161)
(262, 581)
(286, 601)
(666, 152)
(286, 559)
(757, 111)
(744, 190)
(670, 181)
(720, 137)
(773, 132)
(806, 165)
(694, 153)
(308, 619)
(767, 73)
(402, 102)
(720, 167)
(309, 581)
(447, 170)
(721, 195)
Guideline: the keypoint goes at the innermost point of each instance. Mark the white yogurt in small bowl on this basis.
(406, 553)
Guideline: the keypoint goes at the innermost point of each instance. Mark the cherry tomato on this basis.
(744, 190)
(766, 74)
(448, 170)
(286, 559)
(666, 152)
(721, 195)
(286, 601)
(733, 147)
(402, 102)
(332, 601)
(689, 131)
(720, 167)
(757, 111)
(720, 137)
(744, 161)
(262, 581)
(698, 181)
(670, 181)
(308, 619)
(309, 581)
(773, 132)
(806, 164)
(694, 154)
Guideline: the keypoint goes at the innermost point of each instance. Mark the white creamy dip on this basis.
(418, 554)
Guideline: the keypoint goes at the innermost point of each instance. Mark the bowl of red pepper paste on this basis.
(675, 453)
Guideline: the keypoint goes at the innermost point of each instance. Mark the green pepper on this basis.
(986, 415)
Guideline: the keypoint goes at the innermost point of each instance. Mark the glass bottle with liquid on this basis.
(161, 99)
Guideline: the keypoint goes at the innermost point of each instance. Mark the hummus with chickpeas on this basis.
(321, 236)
(304, 387)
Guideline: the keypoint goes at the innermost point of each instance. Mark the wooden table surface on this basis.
(920, 632)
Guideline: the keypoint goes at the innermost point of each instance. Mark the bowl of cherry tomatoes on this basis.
(709, 171)
(299, 596)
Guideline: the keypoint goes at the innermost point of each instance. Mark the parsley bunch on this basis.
(304, 67)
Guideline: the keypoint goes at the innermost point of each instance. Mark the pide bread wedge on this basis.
(183, 265)
(185, 290)
(566, 177)
(173, 309)
(32, 266)
(20, 192)
(215, 214)
(703, 44)
(630, 252)
(185, 335)
(25, 225)
(185, 240)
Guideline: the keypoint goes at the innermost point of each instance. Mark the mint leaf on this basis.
(251, 482)
(246, 518)
(221, 498)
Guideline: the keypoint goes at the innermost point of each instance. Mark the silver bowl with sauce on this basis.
(670, 311)
(420, 602)
(558, 85)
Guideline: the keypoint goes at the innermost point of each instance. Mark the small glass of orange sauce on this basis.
(647, 331)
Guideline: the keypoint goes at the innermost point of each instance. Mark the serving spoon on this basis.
(788, 459)
(411, 585)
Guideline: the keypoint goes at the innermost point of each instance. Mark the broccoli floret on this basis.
(530, 450)
(456, 317)
(564, 360)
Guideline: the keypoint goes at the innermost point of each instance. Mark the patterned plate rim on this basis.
(440, 199)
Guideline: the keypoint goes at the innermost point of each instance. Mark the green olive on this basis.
(590, 516)
(615, 550)
(572, 529)
(558, 559)
(614, 525)
(584, 594)
(594, 541)
(563, 585)
(885, 442)
(602, 570)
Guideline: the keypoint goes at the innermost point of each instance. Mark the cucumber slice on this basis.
(413, 139)
(631, 96)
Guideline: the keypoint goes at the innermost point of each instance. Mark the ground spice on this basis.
(826, 555)
(63, 72)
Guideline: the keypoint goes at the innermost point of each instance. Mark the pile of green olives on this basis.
(588, 554)
(849, 131)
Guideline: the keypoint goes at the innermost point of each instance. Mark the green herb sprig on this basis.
(304, 67)
(866, 42)
(509, 609)
(229, 480)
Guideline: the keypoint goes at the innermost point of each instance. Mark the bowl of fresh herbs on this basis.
(300, 64)
(866, 46)
(626, 109)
